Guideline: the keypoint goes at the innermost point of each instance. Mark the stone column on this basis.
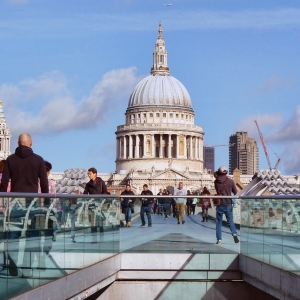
(144, 146)
(177, 146)
(184, 147)
(117, 148)
(191, 147)
(130, 146)
(152, 145)
(137, 146)
(201, 148)
(124, 145)
(120, 147)
(160, 146)
(169, 146)
(197, 148)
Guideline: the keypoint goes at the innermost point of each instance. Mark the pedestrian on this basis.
(159, 202)
(3, 203)
(225, 186)
(146, 206)
(205, 204)
(127, 204)
(180, 202)
(173, 205)
(194, 203)
(24, 169)
(233, 201)
(96, 185)
(166, 204)
(189, 202)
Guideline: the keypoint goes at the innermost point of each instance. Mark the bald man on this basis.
(25, 169)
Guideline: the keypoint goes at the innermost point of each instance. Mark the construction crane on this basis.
(219, 145)
(265, 148)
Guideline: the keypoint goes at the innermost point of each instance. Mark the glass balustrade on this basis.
(43, 239)
(270, 230)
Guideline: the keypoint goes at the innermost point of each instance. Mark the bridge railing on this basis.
(45, 238)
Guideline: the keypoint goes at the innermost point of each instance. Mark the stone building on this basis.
(159, 143)
(243, 154)
(4, 136)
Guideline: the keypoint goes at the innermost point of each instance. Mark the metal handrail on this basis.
(85, 196)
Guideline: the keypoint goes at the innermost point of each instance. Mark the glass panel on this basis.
(270, 231)
(42, 239)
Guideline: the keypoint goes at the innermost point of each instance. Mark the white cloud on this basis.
(272, 83)
(45, 104)
(291, 158)
(266, 120)
(89, 23)
(290, 130)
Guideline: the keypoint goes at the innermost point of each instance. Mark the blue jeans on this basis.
(220, 211)
(128, 214)
(147, 210)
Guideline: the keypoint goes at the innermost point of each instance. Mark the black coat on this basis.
(95, 187)
(125, 203)
(25, 169)
(148, 201)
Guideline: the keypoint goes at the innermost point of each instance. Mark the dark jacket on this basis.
(95, 187)
(226, 189)
(125, 203)
(24, 168)
(163, 200)
(148, 201)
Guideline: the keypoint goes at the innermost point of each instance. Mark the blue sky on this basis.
(68, 68)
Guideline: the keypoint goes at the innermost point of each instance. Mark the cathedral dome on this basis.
(160, 90)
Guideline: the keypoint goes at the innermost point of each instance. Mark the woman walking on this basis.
(205, 204)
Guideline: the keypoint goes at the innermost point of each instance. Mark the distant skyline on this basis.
(69, 67)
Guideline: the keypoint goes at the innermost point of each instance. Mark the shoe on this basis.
(183, 221)
(206, 219)
(142, 225)
(166, 217)
(54, 237)
(178, 223)
(128, 224)
(73, 240)
(219, 242)
(149, 226)
(203, 220)
(236, 240)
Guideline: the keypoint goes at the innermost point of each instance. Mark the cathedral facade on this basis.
(159, 144)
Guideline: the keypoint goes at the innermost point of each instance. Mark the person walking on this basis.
(127, 204)
(205, 204)
(166, 204)
(146, 206)
(159, 202)
(189, 202)
(180, 202)
(225, 186)
(194, 203)
(96, 185)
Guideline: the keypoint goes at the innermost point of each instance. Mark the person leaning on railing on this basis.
(225, 186)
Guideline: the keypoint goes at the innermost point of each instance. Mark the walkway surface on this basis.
(167, 236)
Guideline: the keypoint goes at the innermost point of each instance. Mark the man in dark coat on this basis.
(146, 206)
(225, 186)
(96, 185)
(25, 169)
